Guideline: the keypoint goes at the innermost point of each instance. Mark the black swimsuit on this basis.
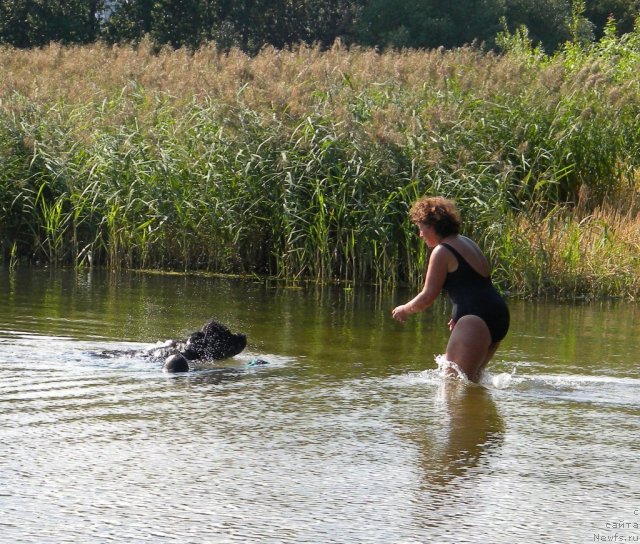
(473, 294)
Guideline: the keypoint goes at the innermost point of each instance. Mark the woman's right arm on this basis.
(436, 276)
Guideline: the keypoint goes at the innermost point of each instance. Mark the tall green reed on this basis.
(303, 165)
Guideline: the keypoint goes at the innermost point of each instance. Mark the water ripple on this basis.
(99, 452)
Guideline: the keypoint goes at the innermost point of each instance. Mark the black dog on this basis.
(213, 342)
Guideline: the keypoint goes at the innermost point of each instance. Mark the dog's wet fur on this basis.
(211, 343)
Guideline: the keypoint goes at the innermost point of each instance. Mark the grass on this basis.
(302, 164)
(571, 253)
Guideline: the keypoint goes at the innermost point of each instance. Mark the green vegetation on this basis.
(250, 26)
(302, 163)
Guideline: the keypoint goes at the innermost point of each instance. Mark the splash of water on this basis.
(498, 381)
(448, 368)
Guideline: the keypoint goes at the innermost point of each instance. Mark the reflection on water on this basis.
(350, 434)
(470, 428)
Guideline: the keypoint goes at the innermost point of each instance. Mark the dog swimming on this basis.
(213, 342)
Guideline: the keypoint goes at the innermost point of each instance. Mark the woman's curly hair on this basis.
(437, 212)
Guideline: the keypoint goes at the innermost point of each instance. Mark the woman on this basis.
(480, 317)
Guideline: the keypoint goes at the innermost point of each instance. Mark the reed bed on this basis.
(573, 254)
(302, 164)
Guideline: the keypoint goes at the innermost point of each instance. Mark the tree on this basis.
(176, 23)
(624, 12)
(128, 21)
(546, 20)
(30, 23)
(14, 26)
(428, 23)
(251, 24)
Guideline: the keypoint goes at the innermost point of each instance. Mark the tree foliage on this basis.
(30, 23)
(248, 24)
(624, 12)
(252, 24)
(430, 23)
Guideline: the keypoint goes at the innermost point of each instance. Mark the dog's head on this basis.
(176, 363)
(214, 341)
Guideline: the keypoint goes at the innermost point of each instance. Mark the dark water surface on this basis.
(349, 435)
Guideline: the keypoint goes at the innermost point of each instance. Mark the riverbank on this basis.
(302, 164)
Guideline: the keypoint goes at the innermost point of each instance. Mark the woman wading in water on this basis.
(480, 317)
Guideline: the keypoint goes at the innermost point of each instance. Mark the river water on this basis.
(348, 435)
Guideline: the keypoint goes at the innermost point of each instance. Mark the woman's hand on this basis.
(400, 313)
(452, 324)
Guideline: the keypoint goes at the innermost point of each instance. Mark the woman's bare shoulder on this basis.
(472, 253)
(443, 258)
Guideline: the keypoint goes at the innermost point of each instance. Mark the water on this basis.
(350, 434)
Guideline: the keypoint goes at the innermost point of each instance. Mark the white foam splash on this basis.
(501, 381)
(498, 381)
(445, 367)
(504, 380)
